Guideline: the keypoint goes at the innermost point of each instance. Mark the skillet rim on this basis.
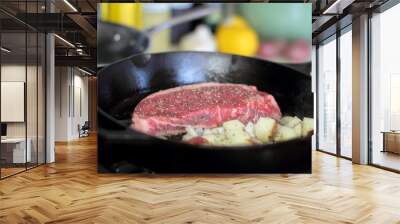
(199, 52)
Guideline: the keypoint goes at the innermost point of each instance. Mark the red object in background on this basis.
(271, 49)
(298, 51)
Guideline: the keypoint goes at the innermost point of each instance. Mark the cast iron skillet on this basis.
(123, 84)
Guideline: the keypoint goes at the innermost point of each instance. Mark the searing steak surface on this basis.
(204, 105)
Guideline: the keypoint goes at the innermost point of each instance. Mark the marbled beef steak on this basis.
(204, 105)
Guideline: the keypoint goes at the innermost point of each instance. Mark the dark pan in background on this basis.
(117, 42)
(123, 84)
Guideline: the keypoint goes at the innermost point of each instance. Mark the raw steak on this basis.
(204, 105)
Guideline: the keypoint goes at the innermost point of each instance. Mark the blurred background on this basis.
(279, 32)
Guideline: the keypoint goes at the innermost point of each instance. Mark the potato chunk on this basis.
(265, 129)
(298, 129)
(289, 121)
(285, 133)
(249, 129)
(235, 133)
(307, 127)
(213, 131)
(240, 139)
(233, 126)
(190, 133)
(215, 139)
(285, 120)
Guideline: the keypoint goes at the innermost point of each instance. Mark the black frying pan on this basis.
(123, 84)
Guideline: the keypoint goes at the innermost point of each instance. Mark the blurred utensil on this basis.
(228, 11)
(116, 42)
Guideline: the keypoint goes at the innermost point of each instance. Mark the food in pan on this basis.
(206, 105)
(266, 130)
(217, 114)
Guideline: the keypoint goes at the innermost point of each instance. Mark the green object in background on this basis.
(289, 21)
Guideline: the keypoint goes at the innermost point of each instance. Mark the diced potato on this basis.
(240, 138)
(285, 120)
(307, 127)
(265, 129)
(235, 133)
(233, 126)
(294, 122)
(255, 141)
(298, 129)
(216, 139)
(285, 133)
(190, 133)
(213, 131)
(290, 121)
(249, 129)
(199, 131)
(207, 131)
(220, 130)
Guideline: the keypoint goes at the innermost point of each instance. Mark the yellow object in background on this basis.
(103, 11)
(237, 37)
(154, 14)
(128, 14)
